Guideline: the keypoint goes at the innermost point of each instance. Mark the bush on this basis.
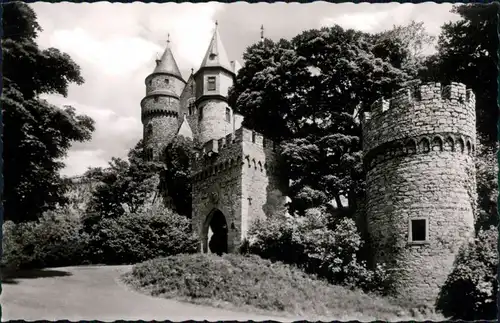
(238, 281)
(55, 240)
(471, 289)
(319, 244)
(133, 238)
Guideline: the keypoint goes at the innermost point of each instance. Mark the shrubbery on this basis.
(58, 239)
(319, 244)
(55, 240)
(133, 238)
(471, 290)
(236, 280)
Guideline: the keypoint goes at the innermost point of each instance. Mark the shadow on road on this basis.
(11, 277)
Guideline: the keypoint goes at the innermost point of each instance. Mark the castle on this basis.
(418, 153)
(420, 183)
(234, 181)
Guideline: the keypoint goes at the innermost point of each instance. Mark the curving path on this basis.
(94, 293)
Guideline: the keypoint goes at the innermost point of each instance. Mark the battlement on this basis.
(415, 110)
(408, 96)
(244, 145)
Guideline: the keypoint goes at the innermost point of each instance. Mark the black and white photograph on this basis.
(249, 161)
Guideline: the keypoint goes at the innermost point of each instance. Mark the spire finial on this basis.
(168, 39)
(216, 24)
(192, 70)
(261, 32)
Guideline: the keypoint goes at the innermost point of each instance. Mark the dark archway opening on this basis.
(218, 241)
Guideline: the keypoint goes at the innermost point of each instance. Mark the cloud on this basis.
(113, 137)
(79, 161)
(115, 45)
(379, 17)
(118, 56)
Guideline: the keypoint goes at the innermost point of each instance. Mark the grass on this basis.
(249, 282)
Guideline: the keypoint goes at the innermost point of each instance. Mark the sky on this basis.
(116, 44)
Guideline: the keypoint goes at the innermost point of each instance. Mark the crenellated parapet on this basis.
(415, 111)
(243, 147)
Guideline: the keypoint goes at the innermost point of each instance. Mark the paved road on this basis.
(94, 293)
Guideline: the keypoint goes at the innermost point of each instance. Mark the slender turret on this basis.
(213, 80)
(160, 107)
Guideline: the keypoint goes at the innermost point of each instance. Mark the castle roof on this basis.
(185, 129)
(235, 66)
(167, 63)
(216, 55)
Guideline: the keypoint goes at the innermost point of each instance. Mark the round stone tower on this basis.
(420, 184)
(160, 107)
(213, 80)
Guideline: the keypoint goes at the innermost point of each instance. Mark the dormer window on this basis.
(211, 83)
(212, 56)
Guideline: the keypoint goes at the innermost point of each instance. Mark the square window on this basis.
(418, 230)
(211, 83)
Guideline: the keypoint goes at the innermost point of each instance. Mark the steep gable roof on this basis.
(216, 55)
(185, 129)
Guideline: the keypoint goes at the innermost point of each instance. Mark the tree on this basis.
(125, 186)
(36, 134)
(176, 176)
(467, 53)
(308, 92)
(487, 186)
(470, 291)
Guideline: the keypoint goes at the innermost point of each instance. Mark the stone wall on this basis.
(234, 174)
(213, 124)
(419, 156)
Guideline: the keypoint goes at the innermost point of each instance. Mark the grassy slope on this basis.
(253, 283)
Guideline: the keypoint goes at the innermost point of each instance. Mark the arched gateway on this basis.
(215, 233)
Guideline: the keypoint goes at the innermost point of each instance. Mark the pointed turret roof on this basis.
(216, 55)
(167, 63)
(185, 129)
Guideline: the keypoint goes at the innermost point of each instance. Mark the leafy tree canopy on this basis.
(309, 92)
(36, 134)
(467, 53)
(125, 186)
(176, 174)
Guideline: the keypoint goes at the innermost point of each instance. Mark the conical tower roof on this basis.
(216, 55)
(167, 63)
(185, 130)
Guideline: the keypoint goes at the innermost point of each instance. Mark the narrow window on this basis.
(418, 230)
(190, 110)
(211, 83)
(150, 82)
(201, 113)
(167, 81)
(253, 136)
(228, 115)
(156, 98)
(149, 130)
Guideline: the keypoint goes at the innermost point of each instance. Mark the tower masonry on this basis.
(160, 107)
(419, 151)
(235, 178)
